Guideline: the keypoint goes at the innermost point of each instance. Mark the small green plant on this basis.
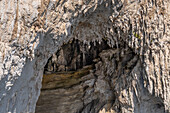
(136, 35)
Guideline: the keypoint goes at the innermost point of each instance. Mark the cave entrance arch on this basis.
(79, 76)
(69, 77)
(85, 73)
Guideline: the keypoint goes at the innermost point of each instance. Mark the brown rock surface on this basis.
(95, 55)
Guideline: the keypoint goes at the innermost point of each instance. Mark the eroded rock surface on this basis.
(123, 66)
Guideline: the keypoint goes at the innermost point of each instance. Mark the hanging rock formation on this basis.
(87, 56)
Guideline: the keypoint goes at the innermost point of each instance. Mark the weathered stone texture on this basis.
(131, 75)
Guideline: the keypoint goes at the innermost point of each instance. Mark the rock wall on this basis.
(131, 74)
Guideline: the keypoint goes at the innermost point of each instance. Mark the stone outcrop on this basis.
(84, 56)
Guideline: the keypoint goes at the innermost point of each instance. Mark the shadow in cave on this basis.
(65, 74)
(74, 56)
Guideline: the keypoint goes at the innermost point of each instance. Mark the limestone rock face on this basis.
(89, 56)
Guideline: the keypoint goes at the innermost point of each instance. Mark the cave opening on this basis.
(70, 73)
(89, 73)
(65, 73)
